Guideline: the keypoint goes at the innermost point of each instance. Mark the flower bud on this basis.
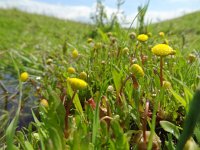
(125, 50)
(132, 35)
(24, 76)
(74, 53)
(83, 75)
(162, 34)
(191, 58)
(167, 85)
(137, 70)
(71, 70)
(44, 103)
(110, 89)
(89, 40)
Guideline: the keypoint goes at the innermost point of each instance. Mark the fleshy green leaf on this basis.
(170, 127)
(117, 79)
(76, 100)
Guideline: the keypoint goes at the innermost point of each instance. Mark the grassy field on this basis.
(30, 32)
(95, 90)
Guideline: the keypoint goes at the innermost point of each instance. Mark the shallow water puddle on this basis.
(9, 99)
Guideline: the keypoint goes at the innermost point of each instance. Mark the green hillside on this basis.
(20, 30)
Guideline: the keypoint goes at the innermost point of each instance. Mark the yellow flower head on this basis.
(74, 53)
(162, 34)
(142, 37)
(77, 83)
(167, 85)
(83, 75)
(44, 103)
(162, 50)
(71, 70)
(24, 76)
(137, 70)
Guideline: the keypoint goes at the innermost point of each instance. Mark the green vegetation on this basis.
(183, 30)
(115, 90)
(30, 32)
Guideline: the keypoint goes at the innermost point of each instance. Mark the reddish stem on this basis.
(161, 71)
(145, 121)
(67, 108)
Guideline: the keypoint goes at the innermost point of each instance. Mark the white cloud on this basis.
(156, 16)
(78, 13)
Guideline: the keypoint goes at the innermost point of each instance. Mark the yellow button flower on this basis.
(24, 76)
(137, 70)
(71, 70)
(142, 37)
(162, 50)
(74, 53)
(77, 83)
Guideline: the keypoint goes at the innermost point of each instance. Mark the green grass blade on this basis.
(191, 120)
(117, 79)
(179, 98)
(28, 145)
(170, 127)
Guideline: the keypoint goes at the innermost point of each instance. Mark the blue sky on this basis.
(80, 10)
(131, 5)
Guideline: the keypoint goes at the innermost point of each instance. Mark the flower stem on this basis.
(145, 121)
(161, 71)
(67, 108)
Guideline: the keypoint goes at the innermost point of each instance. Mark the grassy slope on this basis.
(19, 30)
(22, 30)
(186, 28)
